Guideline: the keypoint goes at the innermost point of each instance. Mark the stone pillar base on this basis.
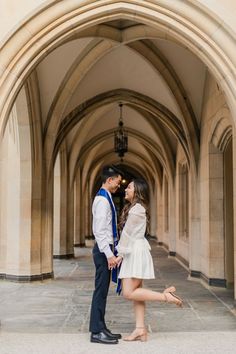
(210, 281)
(172, 253)
(63, 256)
(80, 244)
(26, 278)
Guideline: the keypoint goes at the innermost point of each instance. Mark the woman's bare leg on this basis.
(139, 310)
(131, 291)
(140, 332)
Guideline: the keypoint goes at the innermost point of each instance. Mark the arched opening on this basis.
(179, 28)
(168, 115)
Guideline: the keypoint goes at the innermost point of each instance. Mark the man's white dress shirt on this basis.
(102, 224)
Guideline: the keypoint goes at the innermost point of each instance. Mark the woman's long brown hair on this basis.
(141, 195)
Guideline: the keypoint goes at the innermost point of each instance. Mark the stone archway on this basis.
(53, 25)
(180, 21)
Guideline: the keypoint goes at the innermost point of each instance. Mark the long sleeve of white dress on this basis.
(133, 230)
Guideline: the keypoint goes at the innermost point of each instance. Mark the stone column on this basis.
(172, 220)
(21, 211)
(64, 239)
(56, 207)
(160, 215)
(194, 227)
(153, 212)
(79, 214)
(234, 204)
(70, 222)
(87, 226)
(216, 214)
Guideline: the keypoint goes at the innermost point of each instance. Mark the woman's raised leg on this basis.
(135, 293)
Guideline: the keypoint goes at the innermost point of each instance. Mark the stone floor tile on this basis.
(62, 305)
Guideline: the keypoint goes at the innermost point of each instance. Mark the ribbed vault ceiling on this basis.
(157, 69)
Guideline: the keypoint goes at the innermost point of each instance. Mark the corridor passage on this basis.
(53, 316)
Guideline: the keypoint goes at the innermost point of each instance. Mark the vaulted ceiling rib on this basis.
(102, 40)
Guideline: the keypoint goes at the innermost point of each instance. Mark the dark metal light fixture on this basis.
(121, 137)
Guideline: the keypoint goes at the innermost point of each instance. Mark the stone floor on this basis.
(53, 316)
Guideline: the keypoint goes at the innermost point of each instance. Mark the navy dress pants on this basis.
(102, 282)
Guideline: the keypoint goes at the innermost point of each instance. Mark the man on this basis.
(104, 218)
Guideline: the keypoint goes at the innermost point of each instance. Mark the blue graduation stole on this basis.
(115, 271)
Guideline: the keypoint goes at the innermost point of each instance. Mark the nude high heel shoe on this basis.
(171, 289)
(140, 333)
(173, 299)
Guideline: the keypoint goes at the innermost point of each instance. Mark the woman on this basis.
(135, 258)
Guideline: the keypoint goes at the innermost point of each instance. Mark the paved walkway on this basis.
(52, 316)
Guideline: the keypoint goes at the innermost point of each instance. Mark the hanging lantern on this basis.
(121, 137)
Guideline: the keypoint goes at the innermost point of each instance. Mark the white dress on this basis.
(134, 248)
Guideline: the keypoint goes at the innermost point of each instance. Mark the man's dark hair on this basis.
(110, 171)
